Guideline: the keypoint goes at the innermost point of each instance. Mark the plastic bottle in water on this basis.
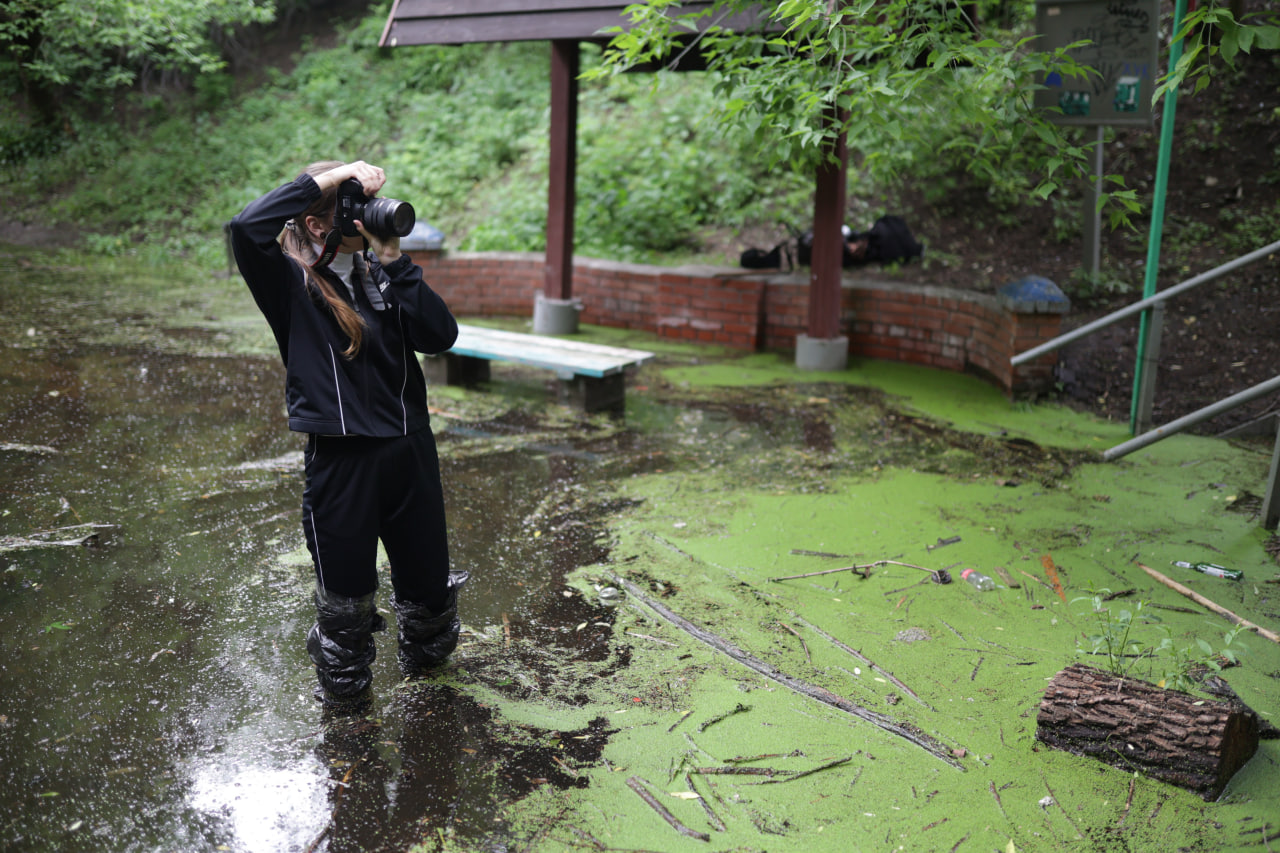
(978, 580)
(1211, 569)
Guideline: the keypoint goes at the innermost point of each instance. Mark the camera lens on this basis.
(387, 216)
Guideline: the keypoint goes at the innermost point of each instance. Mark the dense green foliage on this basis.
(462, 131)
(912, 85)
(66, 53)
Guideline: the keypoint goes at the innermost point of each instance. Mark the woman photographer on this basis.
(348, 314)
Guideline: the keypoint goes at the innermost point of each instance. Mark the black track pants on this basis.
(360, 490)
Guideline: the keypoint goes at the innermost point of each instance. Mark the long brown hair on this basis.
(296, 242)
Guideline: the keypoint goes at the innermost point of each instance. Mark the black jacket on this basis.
(381, 391)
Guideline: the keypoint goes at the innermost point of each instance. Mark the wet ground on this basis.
(155, 691)
(155, 694)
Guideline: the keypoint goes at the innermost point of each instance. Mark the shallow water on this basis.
(155, 693)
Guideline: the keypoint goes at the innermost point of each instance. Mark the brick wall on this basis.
(921, 324)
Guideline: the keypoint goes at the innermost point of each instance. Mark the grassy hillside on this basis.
(462, 133)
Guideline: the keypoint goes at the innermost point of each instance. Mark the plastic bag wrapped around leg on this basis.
(341, 643)
(427, 638)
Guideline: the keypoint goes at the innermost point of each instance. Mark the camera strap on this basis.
(332, 241)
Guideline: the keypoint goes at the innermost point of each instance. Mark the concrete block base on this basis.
(555, 316)
(822, 353)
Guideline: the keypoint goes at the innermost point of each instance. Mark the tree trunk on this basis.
(1193, 743)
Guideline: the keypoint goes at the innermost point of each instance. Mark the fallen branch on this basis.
(684, 716)
(803, 644)
(804, 773)
(864, 570)
(991, 786)
(860, 656)
(742, 771)
(1216, 608)
(706, 807)
(737, 709)
(647, 637)
(636, 784)
(742, 759)
(1037, 580)
(1133, 783)
(821, 694)
(29, 449)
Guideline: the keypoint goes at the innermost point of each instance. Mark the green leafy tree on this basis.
(913, 84)
(62, 54)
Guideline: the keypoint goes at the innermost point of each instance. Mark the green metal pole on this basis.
(1157, 209)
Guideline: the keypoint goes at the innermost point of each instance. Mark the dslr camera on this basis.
(381, 216)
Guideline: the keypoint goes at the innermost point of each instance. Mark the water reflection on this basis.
(154, 691)
(155, 694)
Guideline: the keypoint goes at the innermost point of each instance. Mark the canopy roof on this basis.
(414, 22)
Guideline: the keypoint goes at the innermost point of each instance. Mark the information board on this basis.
(1124, 48)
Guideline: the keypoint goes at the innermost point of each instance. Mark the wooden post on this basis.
(562, 168)
(827, 264)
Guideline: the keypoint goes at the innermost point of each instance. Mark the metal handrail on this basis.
(1204, 414)
(1271, 503)
(1142, 305)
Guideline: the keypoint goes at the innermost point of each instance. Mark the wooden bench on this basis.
(592, 376)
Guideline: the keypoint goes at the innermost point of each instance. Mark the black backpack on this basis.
(889, 241)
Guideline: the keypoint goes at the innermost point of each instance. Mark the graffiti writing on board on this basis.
(1117, 36)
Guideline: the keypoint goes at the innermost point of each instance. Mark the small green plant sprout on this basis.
(1188, 665)
(1114, 636)
(57, 626)
(1168, 664)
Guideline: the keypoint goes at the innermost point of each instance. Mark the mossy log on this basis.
(1194, 743)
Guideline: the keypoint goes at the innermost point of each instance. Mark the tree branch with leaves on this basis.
(921, 88)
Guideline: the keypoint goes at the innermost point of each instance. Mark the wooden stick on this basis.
(804, 773)
(737, 709)
(860, 656)
(647, 637)
(991, 786)
(856, 569)
(803, 644)
(742, 771)
(635, 784)
(1216, 608)
(706, 807)
(906, 731)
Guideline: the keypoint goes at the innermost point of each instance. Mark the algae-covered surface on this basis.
(664, 645)
(713, 532)
(754, 473)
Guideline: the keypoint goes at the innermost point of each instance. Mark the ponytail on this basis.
(297, 244)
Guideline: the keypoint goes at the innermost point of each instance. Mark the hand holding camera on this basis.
(381, 221)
